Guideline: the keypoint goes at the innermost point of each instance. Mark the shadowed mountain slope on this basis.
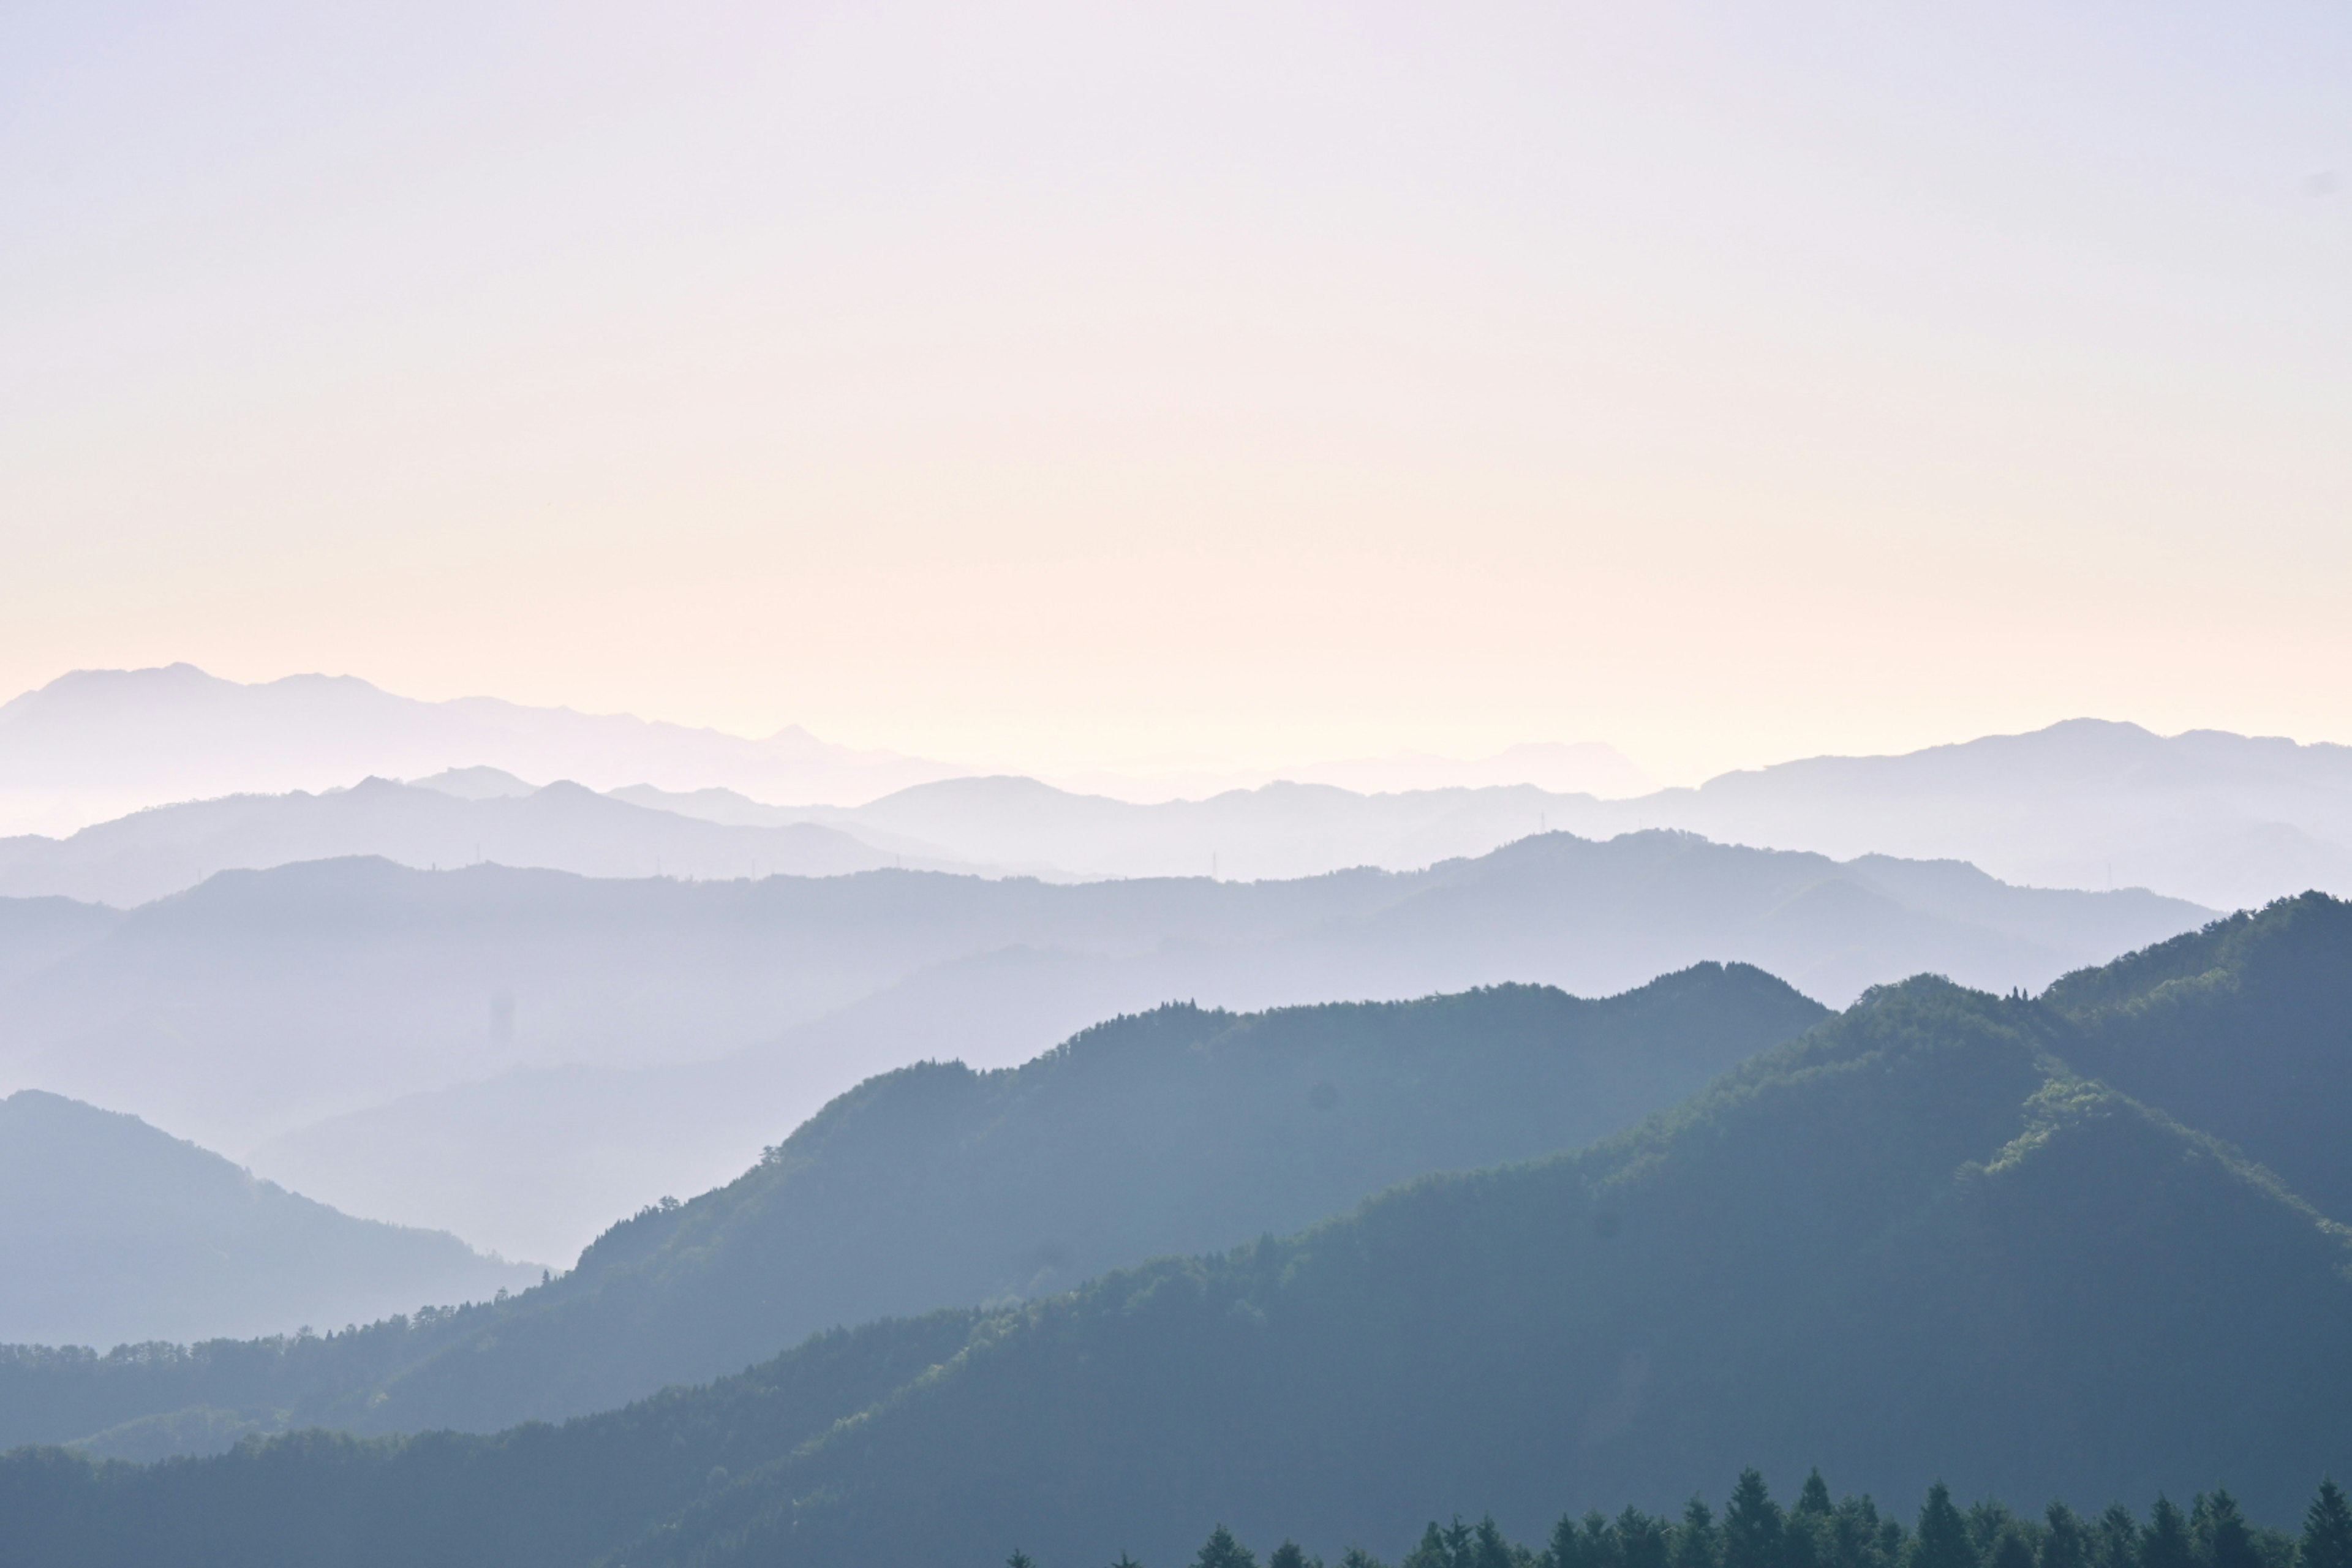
(1913, 1243)
(345, 1022)
(2245, 1029)
(113, 1232)
(1178, 1130)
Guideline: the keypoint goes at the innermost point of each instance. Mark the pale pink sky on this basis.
(1087, 384)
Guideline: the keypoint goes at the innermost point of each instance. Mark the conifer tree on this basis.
(1641, 1540)
(2165, 1543)
(2328, 1530)
(1222, 1551)
(1697, 1543)
(2011, 1547)
(1432, 1552)
(2065, 1540)
(2118, 1539)
(1805, 1536)
(1752, 1525)
(1601, 1547)
(1815, 1499)
(1942, 1541)
(1487, 1548)
(1987, 1519)
(1858, 1537)
(2222, 1537)
(1566, 1547)
(1289, 1554)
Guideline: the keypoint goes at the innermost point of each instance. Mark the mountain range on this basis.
(516, 1056)
(2223, 820)
(99, 742)
(2228, 821)
(1176, 1130)
(168, 849)
(117, 1233)
(1919, 1240)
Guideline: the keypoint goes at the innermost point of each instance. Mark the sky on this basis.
(1068, 386)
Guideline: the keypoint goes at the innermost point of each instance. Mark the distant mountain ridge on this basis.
(95, 743)
(2227, 821)
(1917, 1241)
(934, 1186)
(167, 849)
(517, 1055)
(112, 1232)
(2223, 820)
(2230, 821)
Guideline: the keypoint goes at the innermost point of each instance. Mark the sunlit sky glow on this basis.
(1104, 384)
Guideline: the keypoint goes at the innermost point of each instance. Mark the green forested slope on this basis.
(1913, 1243)
(2244, 1028)
(1178, 1130)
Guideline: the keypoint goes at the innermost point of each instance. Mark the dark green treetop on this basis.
(2328, 1530)
(1942, 1541)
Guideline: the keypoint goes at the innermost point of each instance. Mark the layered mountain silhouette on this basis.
(98, 742)
(1175, 1130)
(152, 854)
(2224, 820)
(116, 1232)
(516, 1056)
(2219, 819)
(1918, 1241)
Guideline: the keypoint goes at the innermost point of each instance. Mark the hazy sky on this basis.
(1093, 384)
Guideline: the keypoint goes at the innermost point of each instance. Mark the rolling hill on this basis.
(115, 1233)
(1916, 1242)
(932, 1186)
(516, 1056)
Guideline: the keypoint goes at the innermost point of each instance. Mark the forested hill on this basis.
(108, 1226)
(1183, 1130)
(1914, 1242)
(2244, 1028)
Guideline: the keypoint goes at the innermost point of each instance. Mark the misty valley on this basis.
(1033, 785)
(362, 1209)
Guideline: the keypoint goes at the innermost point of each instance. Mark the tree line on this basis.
(1756, 1531)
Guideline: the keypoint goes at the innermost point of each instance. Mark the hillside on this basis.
(1913, 1243)
(113, 1232)
(1178, 1130)
(41, 933)
(2244, 1027)
(517, 1056)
